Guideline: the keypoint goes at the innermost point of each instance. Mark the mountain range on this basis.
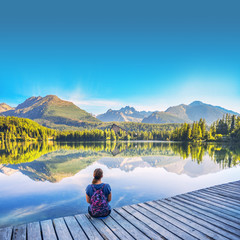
(126, 114)
(176, 114)
(53, 112)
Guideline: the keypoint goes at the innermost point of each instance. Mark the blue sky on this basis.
(108, 54)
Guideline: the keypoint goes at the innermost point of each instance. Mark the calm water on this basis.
(41, 181)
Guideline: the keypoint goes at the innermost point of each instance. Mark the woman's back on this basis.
(105, 188)
(98, 195)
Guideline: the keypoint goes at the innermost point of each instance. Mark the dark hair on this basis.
(97, 174)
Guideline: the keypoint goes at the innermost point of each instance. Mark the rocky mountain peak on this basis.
(196, 103)
(29, 102)
(128, 110)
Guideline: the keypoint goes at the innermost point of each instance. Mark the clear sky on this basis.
(108, 54)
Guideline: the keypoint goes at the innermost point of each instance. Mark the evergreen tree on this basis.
(189, 133)
(233, 123)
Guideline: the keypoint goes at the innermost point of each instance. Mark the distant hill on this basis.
(163, 117)
(51, 110)
(197, 110)
(126, 114)
(4, 107)
(189, 113)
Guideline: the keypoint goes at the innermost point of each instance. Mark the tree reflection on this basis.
(224, 155)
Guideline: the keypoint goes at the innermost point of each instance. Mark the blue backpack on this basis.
(99, 204)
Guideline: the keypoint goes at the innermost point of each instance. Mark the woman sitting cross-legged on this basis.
(98, 195)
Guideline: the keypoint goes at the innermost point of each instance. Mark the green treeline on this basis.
(108, 134)
(225, 129)
(146, 127)
(21, 129)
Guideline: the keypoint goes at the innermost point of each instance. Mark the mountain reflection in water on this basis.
(55, 161)
(47, 180)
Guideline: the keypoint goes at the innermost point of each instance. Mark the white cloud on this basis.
(96, 106)
(93, 105)
(97, 103)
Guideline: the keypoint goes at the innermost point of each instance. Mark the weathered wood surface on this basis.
(76, 231)
(34, 231)
(48, 231)
(61, 229)
(19, 232)
(6, 233)
(210, 213)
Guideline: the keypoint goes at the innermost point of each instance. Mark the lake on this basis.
(48, 180)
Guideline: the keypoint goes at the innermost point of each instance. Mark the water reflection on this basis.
(48, 180)
(55, 161)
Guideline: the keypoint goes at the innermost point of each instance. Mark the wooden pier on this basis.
(210, 213)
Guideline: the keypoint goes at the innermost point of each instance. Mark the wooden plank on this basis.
(211, 193)
(61, 229)
(234, 187)
(221, 196)
(216, 200)
(75, 229)
(48, 231)
(238, 181)
(212, 207)
(33, 231)
(129, 227)
(20, 232)
(204, 199)
(6, 233)
(105, 232)
(145, 224)
(227, 194)
(208, 208)
(223, 184)
(216, 232)
(237, 184)
(227, 190)
(230, 187)
(205, 218)
(171, 231)
(231, 184)
(209, 214)
(222, 208)
(205, 232)
(88, 228)
(223, 187)
(117, 229)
